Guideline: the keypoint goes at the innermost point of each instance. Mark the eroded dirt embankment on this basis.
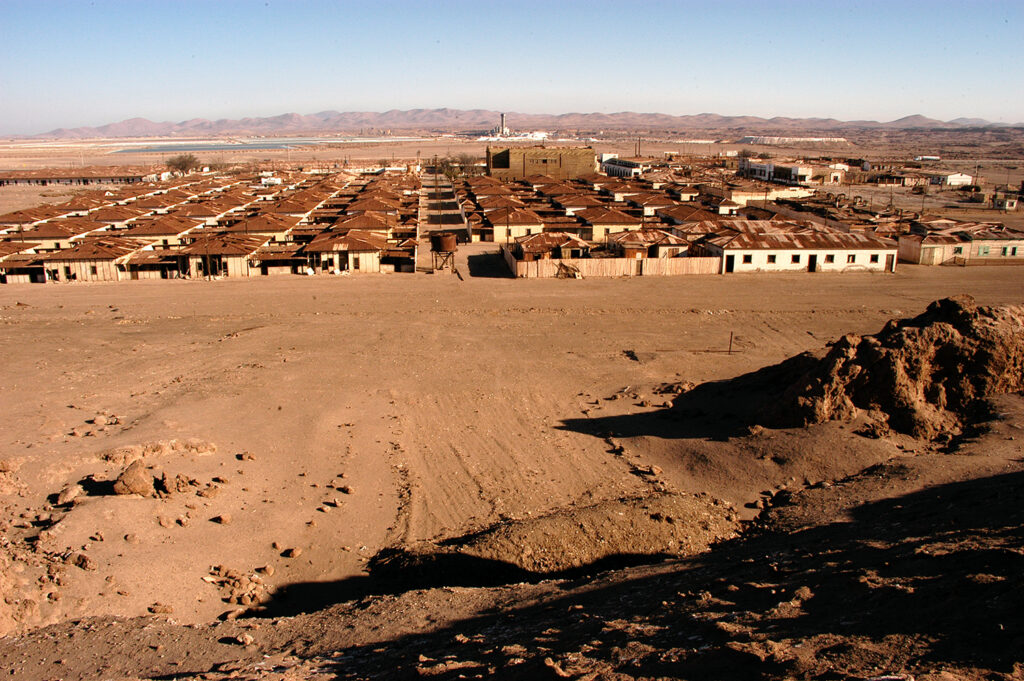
(928, 376)
(611, 533)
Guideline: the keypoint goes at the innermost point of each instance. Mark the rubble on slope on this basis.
(928, 376)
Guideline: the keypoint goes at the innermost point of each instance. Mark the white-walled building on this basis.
(951, 179)
(776, 172)
(778, 246)
(624, 167)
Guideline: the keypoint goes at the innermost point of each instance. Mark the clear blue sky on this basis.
(68, 64)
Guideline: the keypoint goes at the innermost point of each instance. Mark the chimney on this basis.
(501, 130)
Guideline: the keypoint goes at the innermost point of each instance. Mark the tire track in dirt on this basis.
(507, 462)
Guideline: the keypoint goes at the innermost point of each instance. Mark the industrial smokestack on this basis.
(501, 130)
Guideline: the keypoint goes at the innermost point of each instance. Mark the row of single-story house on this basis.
(220, 254)
(778, 246)
(206, 232)
(732, 246)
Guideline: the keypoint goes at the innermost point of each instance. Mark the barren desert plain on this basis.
(399, 476)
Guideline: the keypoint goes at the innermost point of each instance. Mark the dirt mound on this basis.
(665, 524)
(928, 376)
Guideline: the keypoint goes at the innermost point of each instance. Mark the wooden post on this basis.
(730, 342)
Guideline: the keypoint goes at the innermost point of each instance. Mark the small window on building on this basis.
(795, 259)
(771, 259)
(1006, 250)
(92, 270)
(748, 259)
(958, 250)
(982, 250)
(355, 262)
(851, 258)
(874, 257)
(830, 258)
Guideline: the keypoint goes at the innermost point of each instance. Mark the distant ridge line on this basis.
(453, 120)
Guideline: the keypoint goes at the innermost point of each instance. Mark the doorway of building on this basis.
(812, 262)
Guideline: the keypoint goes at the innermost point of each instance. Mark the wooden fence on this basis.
(613, 267)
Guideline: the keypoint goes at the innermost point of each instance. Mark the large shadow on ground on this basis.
(489, 265)
(445, 219)
(395, 571)
(716, 410)
(923, 581)
(443, 195)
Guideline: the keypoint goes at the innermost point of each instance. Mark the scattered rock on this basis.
(293, 552)
(804, 593)
(135, 479)
(222, 519)
(554, 666)
(160, 609)
(209, 492)
(83, 561)
(238, 587)
(69, 494)
(179, 484)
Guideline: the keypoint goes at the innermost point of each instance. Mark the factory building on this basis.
(560, 163)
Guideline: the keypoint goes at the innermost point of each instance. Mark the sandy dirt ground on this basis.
(304, 427)
(342, 416)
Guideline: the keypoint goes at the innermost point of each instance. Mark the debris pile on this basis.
(238, 587)
(928, 377)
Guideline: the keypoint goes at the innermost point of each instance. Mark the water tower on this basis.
(442, 249)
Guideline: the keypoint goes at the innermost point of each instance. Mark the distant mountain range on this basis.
(451, 120)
